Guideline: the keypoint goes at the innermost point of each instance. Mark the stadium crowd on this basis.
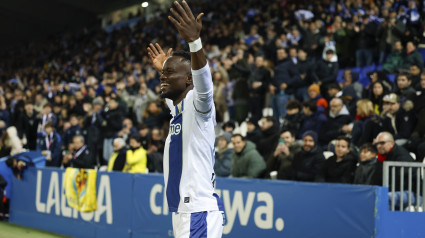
(302, 77)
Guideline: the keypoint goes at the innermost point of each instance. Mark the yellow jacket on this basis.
(136, 161)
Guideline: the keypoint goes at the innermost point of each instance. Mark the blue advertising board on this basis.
(133, 205)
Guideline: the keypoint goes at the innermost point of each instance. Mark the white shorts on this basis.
(198, 225)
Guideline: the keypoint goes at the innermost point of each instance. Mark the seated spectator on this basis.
(269, 136)
(395, 59)
(337, 119)
(51, 146)
(229, 126)
(127, 129)
(312, 119)
(388, 150)
(367, 124)
(413, 57)
(314, 94)
(368, 172)
(400, 121)
(136, 158)
(308, 163)
(340, 167)
(405, 90)
(417, 140)
(80, 156)
(350, 85)
(118, 158)
(376, 95)
(415, 75)
(246, 161)
(253, 132)
(283, 156)
(293, 118)
(223, 156)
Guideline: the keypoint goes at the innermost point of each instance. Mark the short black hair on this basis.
(344, 138)
(269, 119)
(293, 104)
(369, 147)
(136, 138)
(311, 104)
(239, 135)
(290, 132)
(184, 54)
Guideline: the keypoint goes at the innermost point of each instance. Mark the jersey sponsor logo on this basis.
(175, 129)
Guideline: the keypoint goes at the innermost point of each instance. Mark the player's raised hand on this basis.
(157, 55)
(188, 27)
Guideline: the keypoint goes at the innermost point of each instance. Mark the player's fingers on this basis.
(182, 12)
(150, 53)
(159, 48)
(187, 9)
(174, 21)
(199, 17)
(176, 15)
(153, 48)
(170, 51)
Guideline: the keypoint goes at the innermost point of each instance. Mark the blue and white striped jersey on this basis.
(189, 149)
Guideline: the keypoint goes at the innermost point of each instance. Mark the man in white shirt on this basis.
(189, 177)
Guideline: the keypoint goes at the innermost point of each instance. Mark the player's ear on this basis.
(189, 80)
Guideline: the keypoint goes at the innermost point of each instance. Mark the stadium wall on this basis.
(133, 205)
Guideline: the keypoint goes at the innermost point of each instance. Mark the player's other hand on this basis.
(157, 55)
(188, 27)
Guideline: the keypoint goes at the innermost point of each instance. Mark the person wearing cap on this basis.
(314, 94)
(399, 121)
(308, 163)
(223, 155)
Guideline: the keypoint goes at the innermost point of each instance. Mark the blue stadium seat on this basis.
(339, 78)
(391, 77)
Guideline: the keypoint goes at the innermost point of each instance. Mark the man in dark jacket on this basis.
(412, 56)
(326, 70)
(269, 136)
(111, 125)
(80, 157)
(308, 163)
(246, 161)
(27, 125)
(293, 118)
(340, 167)
(369, 171)
(223, 156)
(51, 146)
(92, 130)
(258, 84)
(339, 116)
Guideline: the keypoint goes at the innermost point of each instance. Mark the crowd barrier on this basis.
(133, 205)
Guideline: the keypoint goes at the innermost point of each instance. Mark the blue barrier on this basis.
(133, 205)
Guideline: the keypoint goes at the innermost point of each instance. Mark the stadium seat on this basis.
(327, 154)
(391, 77)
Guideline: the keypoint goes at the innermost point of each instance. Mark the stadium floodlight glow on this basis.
(145, 4)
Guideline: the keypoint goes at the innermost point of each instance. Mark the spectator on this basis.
(92, 129)
(326, 70)
(305, 69)
(308, 163)
(112, 124)
(293, 118)
(27, 126)
(413, 57)
(367, 124)
(405, 90)
(51, 146)
(229, 126)
(314, 94)
(136, 158)
(269, 136)
(365, 38)
(368, 172)
(313, 118)
(46, 116)
(73, 130)
(340, 167)
(17, 166)
(337, 119)
(258, 84)
(397, 120)
(118, 158)
(80, 156)
(283, 156)
(246, 161)
(223, 156)
(154, 116)
(141, 101)
(220, 83)
(127, 129)
(415, 76)
(253, 132)
(376, 95)
(3, 184)
(395, 60)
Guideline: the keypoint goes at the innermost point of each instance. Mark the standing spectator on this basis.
(80, 156)
(118, 158)
(258, 84)
(27, 127)
(154, 116)
(293, 118)
(365, 38)
(127, 129)
(283, 156)
(73, 130)
(112, 124)
(46, 116)
(413, 57)
(395, 59)
(51, 146)
(246, 161)
(369, 171)
(269, 136)
(141, 101)
(340, 167)
(326, 70)
(223, 156)
(308, 163)
(136, 158)
(92, 129)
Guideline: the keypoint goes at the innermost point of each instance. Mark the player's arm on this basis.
(189, 28)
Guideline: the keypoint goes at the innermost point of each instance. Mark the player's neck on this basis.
(182, 96)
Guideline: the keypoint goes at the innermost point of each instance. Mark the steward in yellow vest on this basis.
(136, 160)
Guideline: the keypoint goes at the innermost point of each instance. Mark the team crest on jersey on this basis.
(175, 129)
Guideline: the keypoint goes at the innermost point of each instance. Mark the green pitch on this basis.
(8, 230)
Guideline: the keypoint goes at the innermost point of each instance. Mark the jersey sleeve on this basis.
(203, 90)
